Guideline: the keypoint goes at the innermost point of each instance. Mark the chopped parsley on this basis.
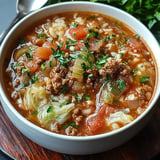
(60, 56)
(85, 97)
(137, 36)
(64, 88)
(134, 71)
(50, 63)
(50, 109)
(33, 78)
(15, 67)
(42, 35)
(102, 60)
(121, 84)
(22, 41)
(93, 33)
(144, 79)
(64, 103)
(74, 35)
(35, 112)
(29, 57)
(43, 67)
(70, 124)
(24, 70)
(75, 25)
(108, 38)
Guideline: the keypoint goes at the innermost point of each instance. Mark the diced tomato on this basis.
(78, 33)
(43, 52)
(134, 44)
(109, 110)
(32, 66)
(35, 40)
(79, 46)
(97, 121)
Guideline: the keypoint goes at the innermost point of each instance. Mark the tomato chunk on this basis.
(32, 66)
(78, 33)
(97, 121)
(43, 52)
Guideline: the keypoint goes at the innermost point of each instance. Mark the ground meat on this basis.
(139, 97)
(77, 117)
(144, 92)
(114, 66)
(58, 79)
(19, 69)
(70, 131)
(91, 75)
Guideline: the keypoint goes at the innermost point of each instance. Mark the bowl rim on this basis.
(79, 138)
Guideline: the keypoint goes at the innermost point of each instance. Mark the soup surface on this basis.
(80, 74)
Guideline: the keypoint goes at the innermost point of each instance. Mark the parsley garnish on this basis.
(92, 33)
(64, 88)
(50, 109)
(85, 97)
(121, 84)
(144, 79)
(75, 24)
(108, 38)
(35, 112)
(42, 35)
(43, 67)
(22, 41)
(134, 71)
(70, 124)
(64, 103)
(29, 57)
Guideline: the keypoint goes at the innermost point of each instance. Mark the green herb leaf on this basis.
(43, 67)
(50, 109)
(121, 84)
(29, 57)
(144, 79)
(42, 35)
(134, 71)
(64, 103)
(70, 124)
(85, 97)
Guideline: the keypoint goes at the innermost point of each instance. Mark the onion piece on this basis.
(78, 71)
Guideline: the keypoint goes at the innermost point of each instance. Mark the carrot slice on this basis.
(78, 33)
(43, 52)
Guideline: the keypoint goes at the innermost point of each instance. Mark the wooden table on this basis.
(143, 146)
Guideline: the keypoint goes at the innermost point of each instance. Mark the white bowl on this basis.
(72, 144)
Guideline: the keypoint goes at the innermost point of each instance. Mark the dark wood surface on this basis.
(144, 146)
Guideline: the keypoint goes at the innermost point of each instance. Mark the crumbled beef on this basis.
(77, 117)
(139, 97)
(114, 66)
(71, 131)
(92, 75)
(19, 69)
(58, 79)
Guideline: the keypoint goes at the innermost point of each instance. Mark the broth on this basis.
(80, 74)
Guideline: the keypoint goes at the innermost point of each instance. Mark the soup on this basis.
(80, 74)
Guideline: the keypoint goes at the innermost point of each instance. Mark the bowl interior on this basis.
(133, 23)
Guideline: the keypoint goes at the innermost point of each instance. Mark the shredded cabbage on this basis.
(108, 93)
(119, 117)
(57, 113)
(77, 67)
(34, 97)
